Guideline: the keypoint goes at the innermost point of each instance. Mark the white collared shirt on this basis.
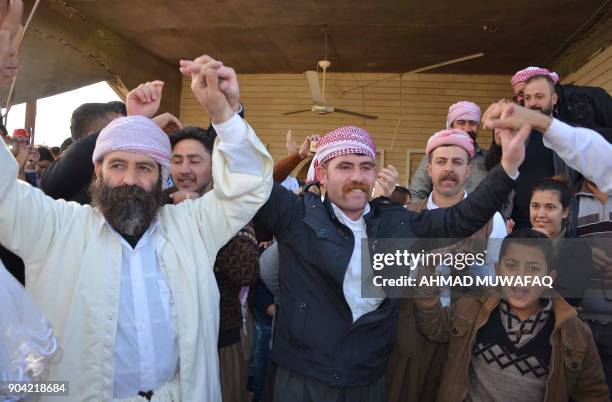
(146, 349)
(498, 233)
(499, 226)
(352, 277)
(74, 273)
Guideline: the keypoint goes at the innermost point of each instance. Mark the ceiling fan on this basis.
(317, 93)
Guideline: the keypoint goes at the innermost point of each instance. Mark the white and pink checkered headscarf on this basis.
(452, 136)
(462, 110)
(135, 134)
(342, 141)
(526, 73)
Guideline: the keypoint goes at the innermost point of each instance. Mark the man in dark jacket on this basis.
(332, 344)
(578, 106)
(540, 161)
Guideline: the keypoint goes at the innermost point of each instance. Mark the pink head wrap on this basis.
(525, 74)
(135, 134)
(342, 141)
(452, 136)
(462, 110)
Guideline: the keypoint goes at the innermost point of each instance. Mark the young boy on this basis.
(521, 343)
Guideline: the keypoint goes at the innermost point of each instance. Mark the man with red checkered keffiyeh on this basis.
(520, 78)
(578, 106)
(331, 341)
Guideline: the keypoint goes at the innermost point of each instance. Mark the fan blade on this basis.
(365, 116)
(418, 70)
(297, 111)
(315, 89)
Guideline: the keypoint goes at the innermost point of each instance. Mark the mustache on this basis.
(449, 175)
(545, 111)
(356, 186)
(129, 209)
(127, 193)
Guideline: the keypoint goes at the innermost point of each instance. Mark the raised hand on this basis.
(144, 100)
(168, 122)
(228, 84)
(386, 181)
(305, 149)
(204, 72)
(506, 115)
(512, 130)
(10, 21)
(292, 147)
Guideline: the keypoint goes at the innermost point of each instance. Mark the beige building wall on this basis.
(421, 101)
(597, 72)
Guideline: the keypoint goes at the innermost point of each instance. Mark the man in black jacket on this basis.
(578, 106)
(331, 344)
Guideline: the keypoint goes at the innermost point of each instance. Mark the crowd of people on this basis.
(170, 263)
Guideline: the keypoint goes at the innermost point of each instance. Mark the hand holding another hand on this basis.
(209, 80)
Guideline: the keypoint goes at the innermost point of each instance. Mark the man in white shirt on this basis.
(128, 285)
(450, 154)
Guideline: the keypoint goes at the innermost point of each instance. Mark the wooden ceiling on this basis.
(282, 36)
(75, 42)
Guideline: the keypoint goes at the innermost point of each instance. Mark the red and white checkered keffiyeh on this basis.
(525, 74)
(342, 141)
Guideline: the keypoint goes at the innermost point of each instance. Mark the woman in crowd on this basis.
(549, 213)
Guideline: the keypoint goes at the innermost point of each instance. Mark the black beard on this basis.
(129, 209)
(547, 112)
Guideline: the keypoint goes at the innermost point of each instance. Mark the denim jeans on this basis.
(259, 359)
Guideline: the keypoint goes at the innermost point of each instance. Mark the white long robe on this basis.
(73, 268)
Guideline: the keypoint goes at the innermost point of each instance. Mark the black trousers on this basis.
(291, 386)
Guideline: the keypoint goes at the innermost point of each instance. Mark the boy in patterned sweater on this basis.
(520, 343)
